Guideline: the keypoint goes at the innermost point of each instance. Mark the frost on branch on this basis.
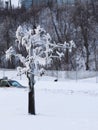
(11, 51)
(69, 45)
(39, 47)
(37, 40)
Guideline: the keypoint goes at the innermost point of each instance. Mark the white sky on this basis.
(14, 2)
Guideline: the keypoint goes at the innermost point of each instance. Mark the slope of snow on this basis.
(62, 105)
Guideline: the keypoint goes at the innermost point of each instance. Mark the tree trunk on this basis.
(67, 60)
(55, 27)
(87, 59)
(31, 97)
(87, 52)
(31, 105)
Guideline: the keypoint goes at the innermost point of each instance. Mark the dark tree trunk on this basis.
(87, 51)
(85, 37)
(55, 27)
(31, 97)
(67, 60)
(31, 105)
(87, 59)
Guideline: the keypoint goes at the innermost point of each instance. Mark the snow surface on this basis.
(62, 105)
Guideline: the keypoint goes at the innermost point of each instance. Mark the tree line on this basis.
(78, 22)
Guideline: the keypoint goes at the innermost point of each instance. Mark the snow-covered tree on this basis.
(40, 43)
(40, 49)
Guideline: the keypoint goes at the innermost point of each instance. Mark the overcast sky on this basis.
(14, 2)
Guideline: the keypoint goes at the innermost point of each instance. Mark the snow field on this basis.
(62, 105)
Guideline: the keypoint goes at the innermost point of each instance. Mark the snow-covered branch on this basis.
(40, 48)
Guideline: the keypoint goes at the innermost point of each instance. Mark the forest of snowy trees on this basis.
(78, 22)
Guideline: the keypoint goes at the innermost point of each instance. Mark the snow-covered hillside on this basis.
(62, 105)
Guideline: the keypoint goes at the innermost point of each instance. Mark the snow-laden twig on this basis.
(39, 43)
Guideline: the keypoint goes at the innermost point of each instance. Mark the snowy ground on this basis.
(62, 105)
